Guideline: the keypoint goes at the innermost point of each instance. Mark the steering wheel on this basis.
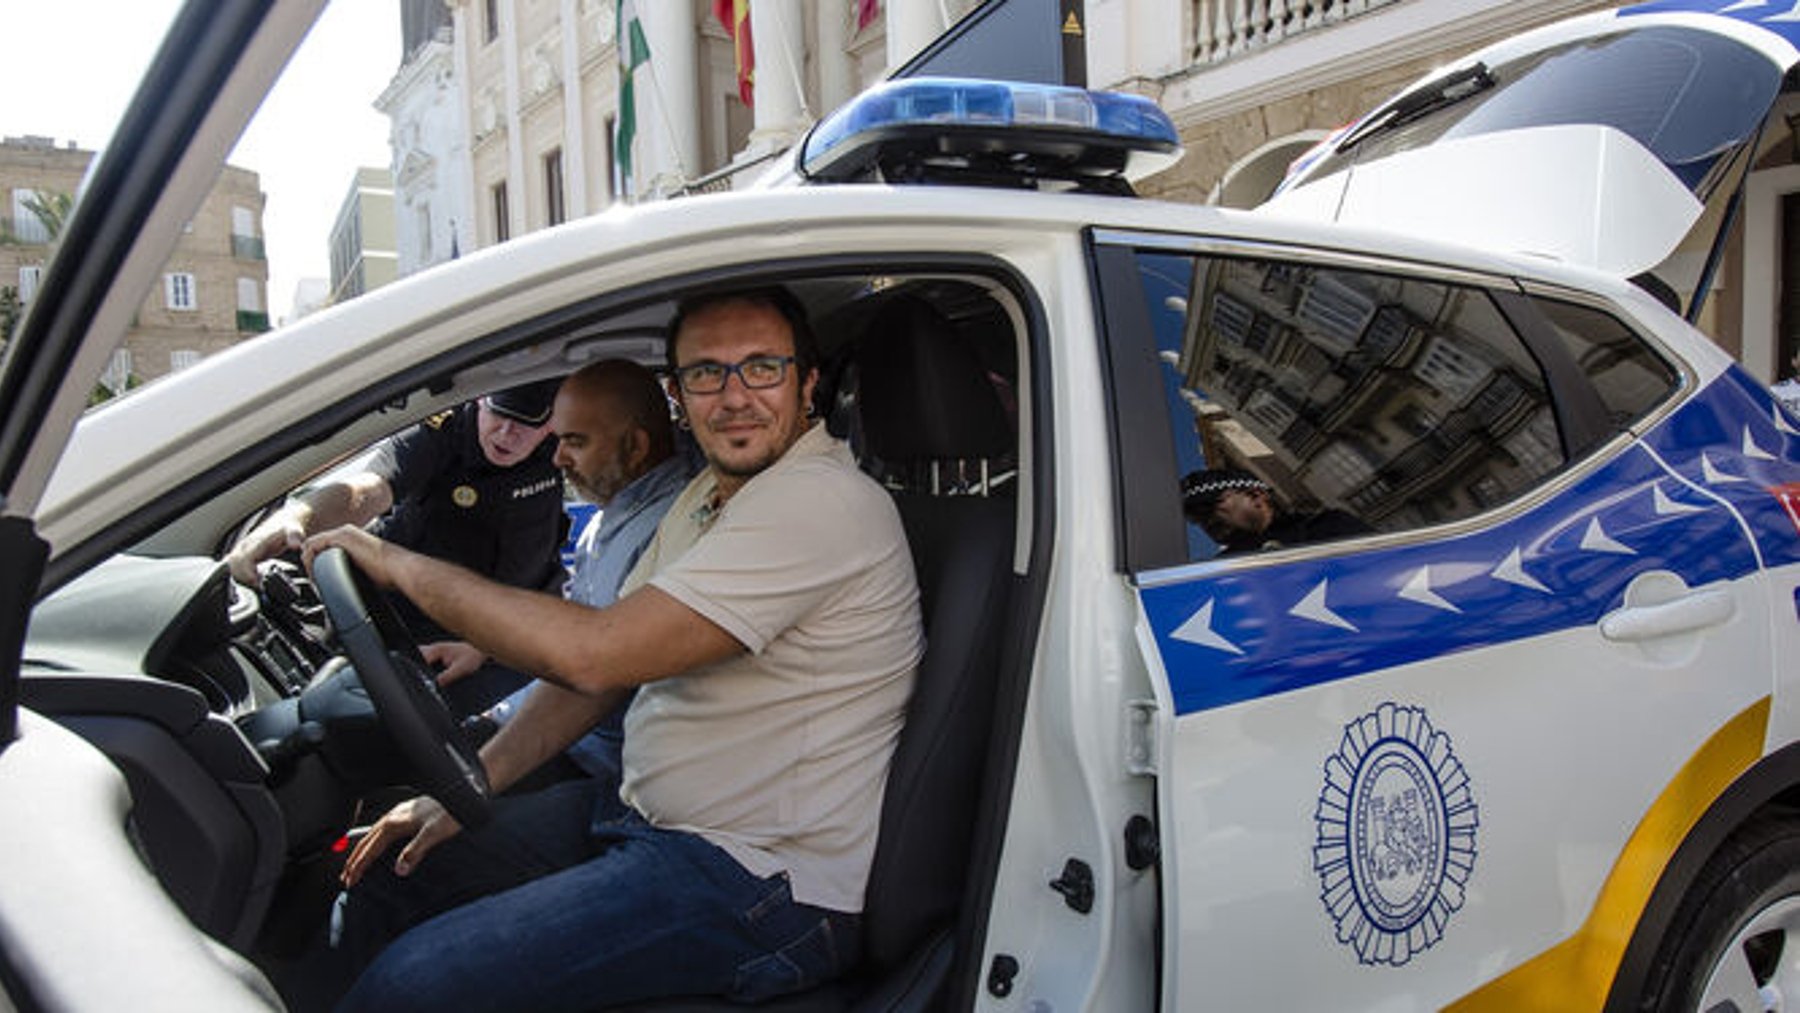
(402, 688)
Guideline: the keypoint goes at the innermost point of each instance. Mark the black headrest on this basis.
(924, 394)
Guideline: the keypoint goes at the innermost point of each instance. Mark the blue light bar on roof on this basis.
(1091, 131)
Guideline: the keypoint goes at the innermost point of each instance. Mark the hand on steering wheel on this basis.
(402, 688)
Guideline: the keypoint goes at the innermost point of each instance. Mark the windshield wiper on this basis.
(1452, 89)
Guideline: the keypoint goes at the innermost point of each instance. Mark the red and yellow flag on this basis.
(735, 16)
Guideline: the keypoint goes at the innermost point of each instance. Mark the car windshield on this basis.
(1688, 96)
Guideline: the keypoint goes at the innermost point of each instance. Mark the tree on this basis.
(52, 208)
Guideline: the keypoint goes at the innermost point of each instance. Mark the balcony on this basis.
(1241, 55)
(247, 248)
(1252, 84)
(1228, 28)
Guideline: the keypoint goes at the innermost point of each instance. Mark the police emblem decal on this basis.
(464, 496)
(1396, 835)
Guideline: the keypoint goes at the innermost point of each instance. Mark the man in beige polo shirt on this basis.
(773, 629)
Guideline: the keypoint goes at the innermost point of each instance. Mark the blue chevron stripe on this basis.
(1781, 17)
(1229, 635)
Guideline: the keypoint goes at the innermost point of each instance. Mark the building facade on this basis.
(540, 85)
(433, 197)
(214, 288)
(1250, 86)
(363, 255)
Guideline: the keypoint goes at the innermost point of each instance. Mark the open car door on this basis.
(84, 924)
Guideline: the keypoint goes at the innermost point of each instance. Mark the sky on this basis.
(316, 128)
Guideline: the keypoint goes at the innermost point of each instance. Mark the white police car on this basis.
(1520, 736)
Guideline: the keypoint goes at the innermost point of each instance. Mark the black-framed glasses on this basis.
(757, 372)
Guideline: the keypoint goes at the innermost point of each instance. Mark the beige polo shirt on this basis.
(779, 756)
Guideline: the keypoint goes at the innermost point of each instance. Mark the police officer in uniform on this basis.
(474, 485)
(1238, 511)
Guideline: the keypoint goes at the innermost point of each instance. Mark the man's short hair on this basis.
(1201, 490)
(775, 297)
(634, 391)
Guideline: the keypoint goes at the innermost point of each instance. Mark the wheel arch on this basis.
(1773, 781)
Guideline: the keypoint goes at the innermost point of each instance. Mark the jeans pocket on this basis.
(810, 959)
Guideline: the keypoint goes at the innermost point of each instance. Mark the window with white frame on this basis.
(29, 276)
(249, 295)
(27, 226)
(182, 358)
(178, 291)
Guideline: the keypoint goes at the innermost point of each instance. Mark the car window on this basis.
(1629, 376)
(1356, 401)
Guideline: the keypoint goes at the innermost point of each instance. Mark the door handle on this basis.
(1697, 611)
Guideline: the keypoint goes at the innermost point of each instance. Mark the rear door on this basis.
(1443, 758)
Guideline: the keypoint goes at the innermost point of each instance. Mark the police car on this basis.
(1525, 739)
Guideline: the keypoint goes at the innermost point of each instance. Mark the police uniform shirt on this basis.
(452, 503)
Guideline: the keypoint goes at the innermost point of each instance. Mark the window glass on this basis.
(178, 291)
(243, 222)
(28, 225)
(1629, 376)
(502, 212)
(555, 213)
(1312, 403)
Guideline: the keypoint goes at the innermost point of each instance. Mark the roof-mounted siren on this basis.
(992, 133)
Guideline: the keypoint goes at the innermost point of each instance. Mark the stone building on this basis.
(1250, 85)
(433, 197)
(539, 83)
(214, 287)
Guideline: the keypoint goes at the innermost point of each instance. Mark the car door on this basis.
(1442, 759)
(64, 808)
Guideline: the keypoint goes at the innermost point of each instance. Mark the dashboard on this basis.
(184, 620)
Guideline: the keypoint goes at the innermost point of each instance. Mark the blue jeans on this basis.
(569, 900)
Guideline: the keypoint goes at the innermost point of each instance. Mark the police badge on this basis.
(1396, 835)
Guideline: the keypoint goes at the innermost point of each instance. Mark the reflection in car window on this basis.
(1393, 402)
(1629, 377)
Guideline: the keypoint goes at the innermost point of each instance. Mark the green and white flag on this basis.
(633, 53)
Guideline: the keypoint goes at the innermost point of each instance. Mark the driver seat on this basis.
(926, 400)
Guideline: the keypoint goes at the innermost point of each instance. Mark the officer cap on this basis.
(528, 403)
